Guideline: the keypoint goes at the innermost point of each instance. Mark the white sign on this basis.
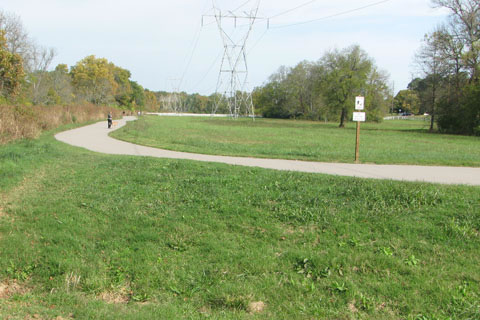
(359, 103)
(359, 116)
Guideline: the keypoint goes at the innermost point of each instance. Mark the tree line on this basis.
(25, 79)
(326, 89)
(449, 61)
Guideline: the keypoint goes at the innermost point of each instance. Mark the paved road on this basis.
(95, 138)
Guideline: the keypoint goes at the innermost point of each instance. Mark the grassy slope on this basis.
(399, 142)
(178, 239)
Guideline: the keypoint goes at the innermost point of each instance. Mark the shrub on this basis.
(24, 122)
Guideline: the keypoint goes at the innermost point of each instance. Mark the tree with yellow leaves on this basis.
(11, 70)
(94, 80)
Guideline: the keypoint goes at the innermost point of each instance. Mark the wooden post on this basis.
(357, 146)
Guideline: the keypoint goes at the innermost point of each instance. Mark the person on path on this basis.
(109, 119)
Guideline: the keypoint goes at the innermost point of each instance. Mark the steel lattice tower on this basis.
(174, 99)
(232, 79)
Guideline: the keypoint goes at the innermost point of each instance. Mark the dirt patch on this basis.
(118, 297)
(11, 287)
(205, 311)
(2, 212)
(256, 307)
(352, 308)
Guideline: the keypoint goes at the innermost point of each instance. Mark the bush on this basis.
(23, 122)
(462, 117)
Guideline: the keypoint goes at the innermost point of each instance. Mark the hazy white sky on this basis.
(155, 39)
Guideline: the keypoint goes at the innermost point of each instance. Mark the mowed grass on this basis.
(390, 142)
(91, 236)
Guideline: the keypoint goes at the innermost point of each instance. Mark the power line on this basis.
(241, 5)
(257, 42)
(332, 16)
(209, 69)
(195, 44)
(293, 9)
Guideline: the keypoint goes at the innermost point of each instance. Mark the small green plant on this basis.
(18, 273)
(424, 317)
(140, 297)
(463, 288)
(342, 288)
(119, 275)
(386, 251)
(353, 242)
(411, 261)
(365, 303)
(305, 267)
(325, 273)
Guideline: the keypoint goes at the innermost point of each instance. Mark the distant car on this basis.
(407, 114)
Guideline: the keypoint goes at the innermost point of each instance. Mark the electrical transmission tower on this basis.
(174, 101)
(232, 83)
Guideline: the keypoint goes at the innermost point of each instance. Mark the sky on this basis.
(165, 47)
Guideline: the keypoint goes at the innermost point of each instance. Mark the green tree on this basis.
(450, 62)
(299, 83)
(325, 89)
(346, 75)
(433, 66)
(464, 116)
(124, 92)
(137, 95)
(271, 99)
(377, 94)
(407, 101)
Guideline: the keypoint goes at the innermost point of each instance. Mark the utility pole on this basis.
(233, 75)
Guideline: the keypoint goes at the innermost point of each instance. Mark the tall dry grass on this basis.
(22, 122)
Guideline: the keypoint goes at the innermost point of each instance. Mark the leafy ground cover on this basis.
(390, 142)
(85, 235)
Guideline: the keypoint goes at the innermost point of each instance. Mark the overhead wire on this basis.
(280, 26)
(333, 15)
(208, 71)
(283, 12)
(195, 45)
(293, 9)
(257, 42)
(242, 5)
(217, 58)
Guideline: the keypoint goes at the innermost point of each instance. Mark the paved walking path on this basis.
(95, 138)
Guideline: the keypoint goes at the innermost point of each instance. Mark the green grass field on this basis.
(91, 236)
(391, 142)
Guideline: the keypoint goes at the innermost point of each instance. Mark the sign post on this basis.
(358, 117)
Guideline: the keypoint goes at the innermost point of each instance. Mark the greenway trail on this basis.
(95, 138)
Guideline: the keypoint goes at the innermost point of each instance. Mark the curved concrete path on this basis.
(95, 138)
